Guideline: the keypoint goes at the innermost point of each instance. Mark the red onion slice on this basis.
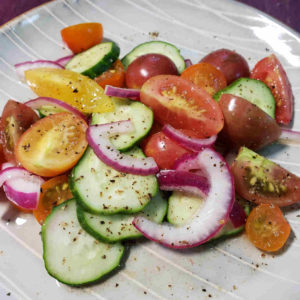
(188, 63)
(7, 165)
(60, 105)
(170, 180)
(209, 219)
(28, 65)
(237, 215)
(186, 141)
(113, 91)
(98, 138)
(289, 137)
(21, 187)
(64, 60)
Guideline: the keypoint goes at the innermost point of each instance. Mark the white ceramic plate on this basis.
(231, 269)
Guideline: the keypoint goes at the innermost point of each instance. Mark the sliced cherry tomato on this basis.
(16, 118)
(52, 145)
(270, 71)
(164, 151)
(205, 76)
(73, 88)
(260, 180)
(2, 158)
(182, 104)
(147, 66)
(81, 37)
(114, 76)
(53, 192)
(230, 63)
(246, 124)
(267, 228)
(156, 127)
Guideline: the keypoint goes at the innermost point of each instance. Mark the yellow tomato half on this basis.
(52, 145)
(71, 87)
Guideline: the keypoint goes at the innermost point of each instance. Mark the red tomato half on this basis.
(164, 151)
(270, 71)
(16, 118)
(245, 124)
(260, 180)
(182, 104)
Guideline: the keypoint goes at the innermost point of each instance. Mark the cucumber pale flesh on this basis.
(101, 189)
(140, 115)
(119, 227)
(71, 255)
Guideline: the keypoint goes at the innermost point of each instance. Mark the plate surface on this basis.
(231, 269)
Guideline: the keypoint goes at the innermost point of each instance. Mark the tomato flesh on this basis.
(260, 180)
(205, 76)
(52, 145)
(147, 66)
(53, 192)
(164, 151)
(245, 124)
(267, 228)
(180, 103)
(114, 76)
(81, 37)
(230, 63)
(270, 71)
(16, 118)
(73, 88)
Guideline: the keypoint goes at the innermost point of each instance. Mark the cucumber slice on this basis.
(119, 227)
(138, 113)
(157, 47)
(182, 207)
(95, 60)
(101, 189)
(71, 255)
(252, 90)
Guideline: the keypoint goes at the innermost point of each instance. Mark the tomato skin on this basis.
(52, 145)
(81, 37)
(114, 76)
(270, 71)
(245, 124)
(164, 151)
(16, 118)
(53, 192)
(275, 174)
(205, 76)
(147, 66)
(180, 103)
(230, 63)
(267, 228)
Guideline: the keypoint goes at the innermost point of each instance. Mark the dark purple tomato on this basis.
(230, 63)
(245, 124)
(147, 66)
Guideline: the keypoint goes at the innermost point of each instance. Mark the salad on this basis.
(149, 145)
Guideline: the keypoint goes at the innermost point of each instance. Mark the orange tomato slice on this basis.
(205, 76)
(115, 76)
(267, 228)
(52, 145)
(53, 192)
(81, 37)
(73, 88)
